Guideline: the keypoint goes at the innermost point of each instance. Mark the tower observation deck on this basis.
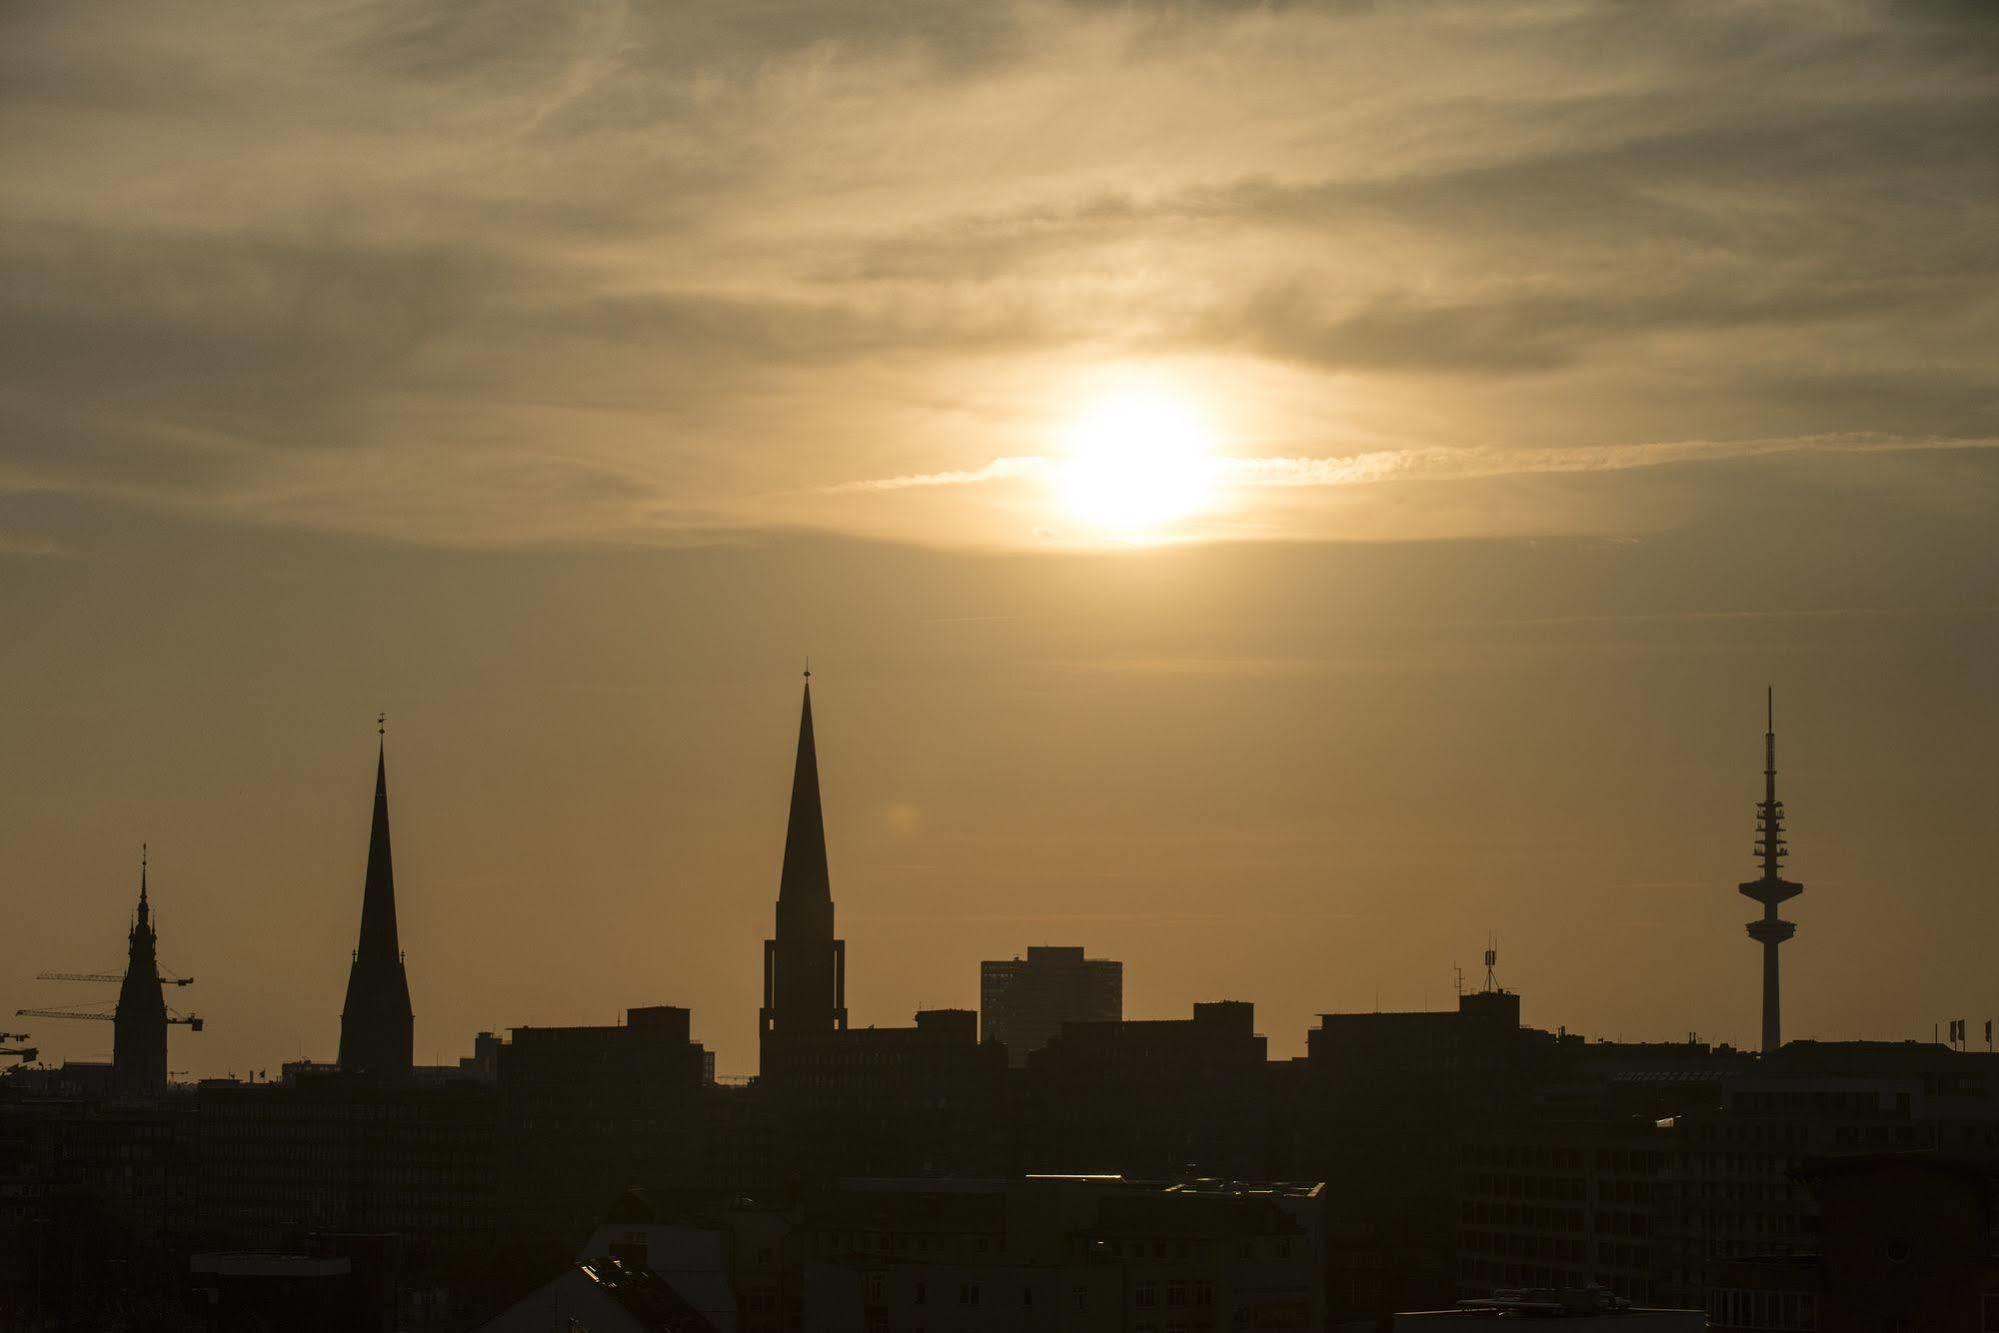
(1771, 888)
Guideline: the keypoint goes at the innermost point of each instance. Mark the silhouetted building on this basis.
(1062, 1252)
(1771, 888)
(1386, 1102)
(139, 1028)
(1563, 1310)
(93, 1192)
(1906, 1243)
(925, 1099)
(1024, 1002)
(805, 967)
(334, 1153)
(1737, 1156)
(1152, 1097)
(234, 1291)
(588, 1112)
(1564, 1203)
(638, 1273)
(377, 1026)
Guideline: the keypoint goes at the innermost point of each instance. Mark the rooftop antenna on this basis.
(1491, 961)
(1458, 980)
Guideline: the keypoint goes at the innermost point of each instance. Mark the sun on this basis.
(1135, 464)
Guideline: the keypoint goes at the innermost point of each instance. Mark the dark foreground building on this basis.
(1063, 1252)
(1904, 1242)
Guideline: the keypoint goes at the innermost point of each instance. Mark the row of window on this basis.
(1481, 1276)
(1560, 1249)
(1763, 1309)
(1179, 1293)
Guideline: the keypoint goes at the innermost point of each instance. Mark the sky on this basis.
(1272, 493)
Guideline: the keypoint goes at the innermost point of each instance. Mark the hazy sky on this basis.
(556, 378)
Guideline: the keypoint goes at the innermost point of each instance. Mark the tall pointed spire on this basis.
(377, 1028)
(1771, 888)
(805, 874)
(805, 968)
(378, 893)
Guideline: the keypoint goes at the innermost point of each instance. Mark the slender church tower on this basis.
(805, 968)
(377, 1028)
(139, 1028)
(1772, 888)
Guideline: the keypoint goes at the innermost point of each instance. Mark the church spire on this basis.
(805, 966)
(378, 893)
(377, 1029)
(805, 875)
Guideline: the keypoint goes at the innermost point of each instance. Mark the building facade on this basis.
(1023, 1002)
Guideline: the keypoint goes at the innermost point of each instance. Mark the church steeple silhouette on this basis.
(377, 1027)
(805, 967)
(139, 1025)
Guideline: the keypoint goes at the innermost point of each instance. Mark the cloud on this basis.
(1460, 464)
(1000, 469)
(506, 273)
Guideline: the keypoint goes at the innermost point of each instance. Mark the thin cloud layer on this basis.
(503, 273)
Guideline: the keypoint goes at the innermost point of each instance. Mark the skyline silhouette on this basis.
(1313, 529)
(376, 1031)
(1276, 503)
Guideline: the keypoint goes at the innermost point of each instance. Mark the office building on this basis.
(1023, 1002)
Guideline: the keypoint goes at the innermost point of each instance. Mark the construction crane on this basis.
(193, 1021)
(106, 976)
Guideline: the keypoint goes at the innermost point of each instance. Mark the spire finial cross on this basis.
(381, 724)
(808, 667)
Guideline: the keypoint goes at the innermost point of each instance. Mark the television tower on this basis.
(1772, 888)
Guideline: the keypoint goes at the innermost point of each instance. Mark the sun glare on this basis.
(1135, 465)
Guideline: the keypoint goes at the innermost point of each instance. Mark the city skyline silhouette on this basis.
(1169, 665)
(805, 828)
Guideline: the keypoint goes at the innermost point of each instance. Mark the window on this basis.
(1147, 1295)
(920, 1293)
